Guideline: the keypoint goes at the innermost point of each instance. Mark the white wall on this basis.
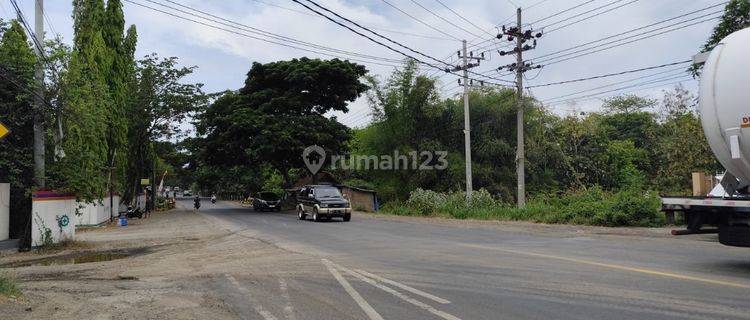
(46, 214)
(4, 211)
(96, 213)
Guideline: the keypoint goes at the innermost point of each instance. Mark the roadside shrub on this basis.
(632, 207)
(593, 206)
(426, 201)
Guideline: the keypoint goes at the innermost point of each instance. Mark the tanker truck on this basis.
(724, 107)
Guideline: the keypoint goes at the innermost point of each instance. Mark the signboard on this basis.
(3, 131)
(745, 122)
(145, 182)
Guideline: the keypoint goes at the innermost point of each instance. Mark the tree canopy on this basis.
(279, 112)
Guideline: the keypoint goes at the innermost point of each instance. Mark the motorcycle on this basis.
(134, 213)
(197, 205)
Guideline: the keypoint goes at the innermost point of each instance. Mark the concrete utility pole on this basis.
(467, 124)
(519, 67)
(520, 152)
(465, 66)
(39, 173)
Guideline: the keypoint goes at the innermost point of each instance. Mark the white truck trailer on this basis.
(724, 103)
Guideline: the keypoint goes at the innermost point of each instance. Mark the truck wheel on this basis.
(301, 214)
(736, 236)
(347, 217)
(316, 216)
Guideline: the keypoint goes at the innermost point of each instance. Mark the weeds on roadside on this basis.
(9, 288)
(65, 244)
(628, 207)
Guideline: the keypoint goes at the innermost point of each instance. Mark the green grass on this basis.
(9, 288)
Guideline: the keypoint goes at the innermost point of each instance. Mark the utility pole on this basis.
(467, 124)
(465, 66)
(519, 67)
(39, 174)
(520, 141)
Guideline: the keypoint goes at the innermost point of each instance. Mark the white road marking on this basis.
(366, 307)
(288, 309)
(405, 287)
(257, 306)
(400, 295)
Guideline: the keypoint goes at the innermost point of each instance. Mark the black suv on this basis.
(323, 202)
(266, 201)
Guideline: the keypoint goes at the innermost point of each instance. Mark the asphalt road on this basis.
(374, 268)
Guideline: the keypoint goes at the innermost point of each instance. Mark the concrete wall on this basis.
(141, 202)
(4, 211)
(55, 212)
(94, 214)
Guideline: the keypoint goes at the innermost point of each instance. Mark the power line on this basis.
(254, 37)
(622, 88)
(444, 19)
(629, 31)
(417, 19)
(380, 36)
(272, 35)
(563, 11)
(639, 37)
(663, 74)
(32, 35)
(589, 17)
(609, 74)
(462, 17)
(49, 22)
(10, 77)
(661, 85)
(371, 27)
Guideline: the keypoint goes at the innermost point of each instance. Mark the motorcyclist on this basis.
(213, 198)
(197, 202)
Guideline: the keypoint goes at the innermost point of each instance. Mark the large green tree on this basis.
(93, 98)
(282, 109)
(17, 62)
(160, 100)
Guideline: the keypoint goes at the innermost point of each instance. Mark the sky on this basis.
(224, 58)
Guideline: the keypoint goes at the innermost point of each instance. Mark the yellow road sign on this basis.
(3, 130)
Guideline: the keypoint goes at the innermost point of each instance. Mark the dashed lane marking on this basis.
(366, 307)
(257, 306)
(288, 309)
(399, 295)
(404, 287)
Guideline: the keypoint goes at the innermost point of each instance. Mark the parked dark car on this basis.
(322, 202)
(266, 201)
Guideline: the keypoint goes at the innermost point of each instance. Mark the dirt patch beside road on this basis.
(173, 266)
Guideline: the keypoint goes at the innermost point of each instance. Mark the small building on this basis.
(361, 199)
